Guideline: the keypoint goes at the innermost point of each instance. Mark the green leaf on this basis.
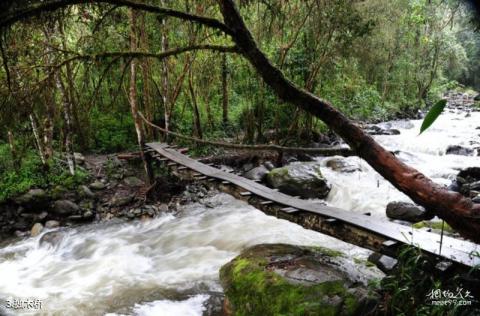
(433, 114)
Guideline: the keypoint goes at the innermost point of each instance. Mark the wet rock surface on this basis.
(407, 212)
(280, 279)
(300, 179)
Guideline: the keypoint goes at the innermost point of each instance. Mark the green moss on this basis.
(328, 252)
(364, 262)
(253, 289)
(433, 225)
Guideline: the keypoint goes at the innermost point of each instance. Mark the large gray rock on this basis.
(302, 179)
(97, 185)
(459, 150)
(407, 212)
(33, 198)
(51, 238)
(340, 164)
(121, 200)
(258, 173)
(79, 158)
(65, 207)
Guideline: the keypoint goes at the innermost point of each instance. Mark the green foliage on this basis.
(433, 114)
(112, 132)
(406, 290)
(32, 174)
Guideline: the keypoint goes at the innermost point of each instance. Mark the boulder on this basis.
(36, 229)
(300, 179)
(384, 263)
(52, 224)
(269, 165)
(406, 212)
(34, 198)
(65, 207)
(86, 192)
(341, 165)
(97, 185)
(377, 130)
(459, 150)
(121, 200)
(51, 238)
(279, 279)
(133, 182)
(258, 173)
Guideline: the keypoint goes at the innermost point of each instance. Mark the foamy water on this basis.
(167, 266)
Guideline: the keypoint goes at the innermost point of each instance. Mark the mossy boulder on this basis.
(279, 279)
(304, 179)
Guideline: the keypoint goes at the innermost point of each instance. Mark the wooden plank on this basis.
(457, 250)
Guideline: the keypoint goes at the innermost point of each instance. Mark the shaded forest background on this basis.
(66, 77)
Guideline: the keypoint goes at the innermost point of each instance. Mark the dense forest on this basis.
(66, 76)
(254, 88)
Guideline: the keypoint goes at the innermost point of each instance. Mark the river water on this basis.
(169, 265)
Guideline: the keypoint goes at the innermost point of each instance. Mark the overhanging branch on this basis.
(36, 9)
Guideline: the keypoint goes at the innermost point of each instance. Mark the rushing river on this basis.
(169, 265)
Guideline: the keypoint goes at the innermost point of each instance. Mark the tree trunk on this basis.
(38, 140)
(67, 110)
(13, 151)
(196, 113)
(165, 86)
(225, 89)
(133, 99)
(456, 210)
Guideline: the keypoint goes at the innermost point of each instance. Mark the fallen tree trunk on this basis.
(458, 211)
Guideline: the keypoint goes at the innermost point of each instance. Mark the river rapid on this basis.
(169, 265)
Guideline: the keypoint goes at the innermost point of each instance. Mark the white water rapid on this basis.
(169, 265)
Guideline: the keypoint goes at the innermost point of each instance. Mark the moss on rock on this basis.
(283, 279)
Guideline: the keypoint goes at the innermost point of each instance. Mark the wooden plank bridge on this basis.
(362, 230)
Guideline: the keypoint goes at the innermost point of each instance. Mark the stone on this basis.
(32, 198)
(258, 173)
(384, 263)
(459, 150)
(88, 215)
(163, 208)
(133, 182)
(97, 185)
(79, 158)
(52, 224)
(279, 279)
(269, 165)
(341, 165)
(377, 130)
(476, 199)
(300, 179)
(121, 200)
(406, 212)
(86, 192)
(248, 166)
(65, 207)
(42, 216)
(51, 238)
(36, 230)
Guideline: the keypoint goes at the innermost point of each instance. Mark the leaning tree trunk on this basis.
(456, 210)
(133, 99)
(38, 141)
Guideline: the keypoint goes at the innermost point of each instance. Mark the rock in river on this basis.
(459, 150)
(279, 279)
(406, 212)
(302, 179)
(340, 164)
(258, 173)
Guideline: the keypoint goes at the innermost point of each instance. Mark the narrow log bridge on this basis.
(359, 229)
